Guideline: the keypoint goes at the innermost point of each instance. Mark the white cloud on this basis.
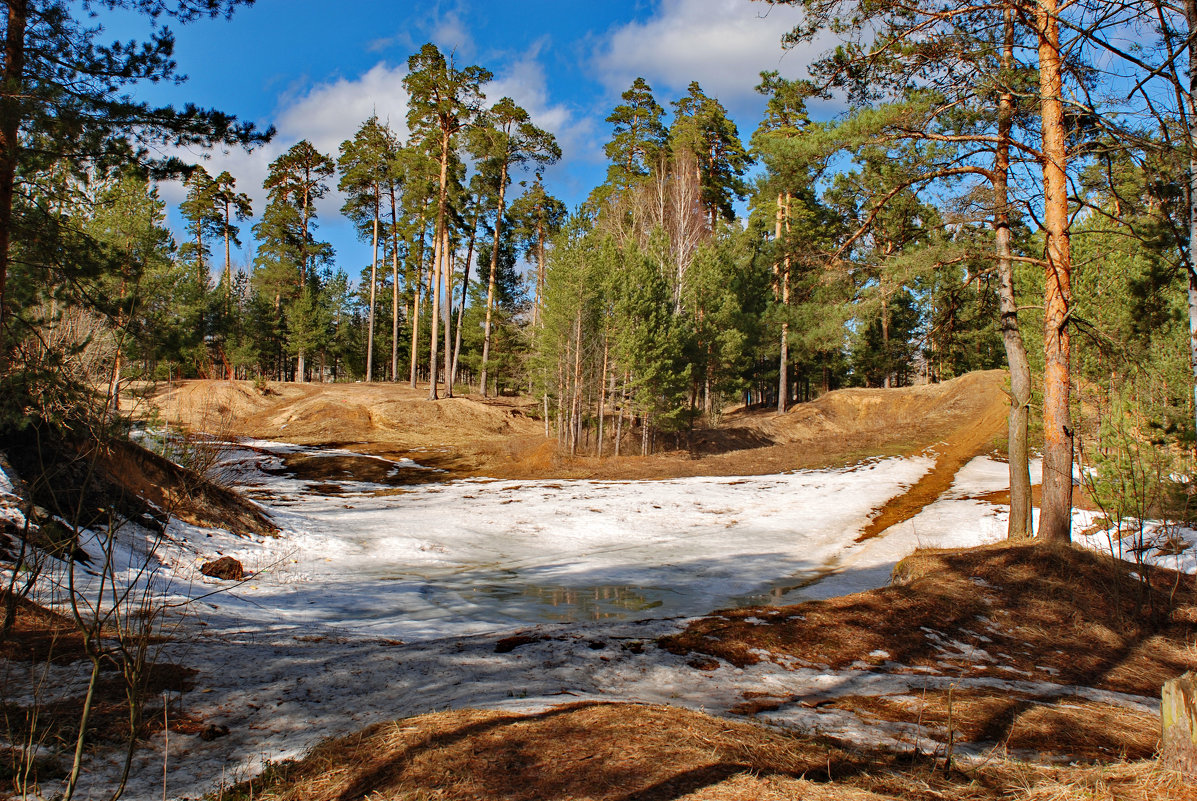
(524, 82)
(722, 44)
(330, 112)
(326, 115)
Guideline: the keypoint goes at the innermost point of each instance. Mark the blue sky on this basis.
(316, 69)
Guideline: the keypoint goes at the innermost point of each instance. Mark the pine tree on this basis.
(538, 216)
(288, 254)
(366, 166)
(204, 220)
(444, 100)
(701, 126)
(233, 205)
(510, 140)
(638, 138)
(65, 100)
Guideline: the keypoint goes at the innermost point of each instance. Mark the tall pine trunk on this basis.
(465, 287)
(12, 90)
(434, 282)
(438, 257)
(490, 284)
(783, 377)
(394, 287)
(602, 410)
(417, 296)
(1055, 522)
(448, 315)
(373, 285)
(1191, 18)
(1019, 526)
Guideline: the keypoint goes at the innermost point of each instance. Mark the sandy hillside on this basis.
(501, 437)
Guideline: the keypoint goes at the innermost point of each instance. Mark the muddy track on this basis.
(973, 439)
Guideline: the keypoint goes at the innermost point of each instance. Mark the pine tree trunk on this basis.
(465, 286)
(623, 404)
(434, 319)
(417, 296)
(10, 126)
(394, 288)
(448, 315)
(1019, 526)
(783, 377)
(490, 284)
(575, 410)
(602, 410)
(1055, 522)
(373, 285)
(1191, 17)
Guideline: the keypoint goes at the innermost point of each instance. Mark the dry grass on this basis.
(39, 634)
(1064, 615)
(621, 751)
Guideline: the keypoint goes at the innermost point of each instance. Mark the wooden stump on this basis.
(1178, 717)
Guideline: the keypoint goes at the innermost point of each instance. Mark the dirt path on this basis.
(961, 446)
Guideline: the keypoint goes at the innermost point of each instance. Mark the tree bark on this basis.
(416, 297)
(373, 285)
(602, 413)
(448, 313)
(10, 125)
(490, 284)
(1191, 18)
(394, 286)
(1019, 526)
(465, 287)
(437, 260)
(1055, 523)
(1178, 723)
(434, 282)
(783, 289)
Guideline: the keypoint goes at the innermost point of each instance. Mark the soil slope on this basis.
(500, 437)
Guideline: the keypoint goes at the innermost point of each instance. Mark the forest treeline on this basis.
(1010, 185)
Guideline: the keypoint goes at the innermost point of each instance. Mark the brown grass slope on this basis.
(1062, 616)
(620, 752)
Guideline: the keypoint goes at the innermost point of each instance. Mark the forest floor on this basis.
(991, 672)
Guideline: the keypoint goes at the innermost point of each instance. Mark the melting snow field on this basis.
(378, 603)
(479, 555)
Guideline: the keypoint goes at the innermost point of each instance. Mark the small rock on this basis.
(226, 567)
(212, 732)
(509, 644)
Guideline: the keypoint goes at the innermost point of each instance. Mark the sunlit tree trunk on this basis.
(783, 228)
(373, 285)
(465, 288)
(1019, 526)
(602, 411)
(490, 284)
(448, 314)
(417, 297)
(1055, 523)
